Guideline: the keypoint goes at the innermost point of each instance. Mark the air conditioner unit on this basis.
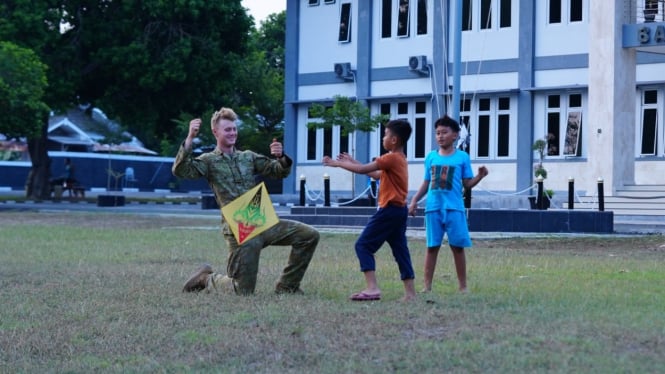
(418, 64)
(343, 70)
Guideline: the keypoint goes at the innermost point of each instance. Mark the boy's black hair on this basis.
(446, 121)
(401, 128)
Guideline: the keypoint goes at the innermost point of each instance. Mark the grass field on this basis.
(83, 292)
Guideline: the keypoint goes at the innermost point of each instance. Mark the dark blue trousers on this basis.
(386, 225)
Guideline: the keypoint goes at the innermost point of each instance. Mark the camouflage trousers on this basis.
(243, 260)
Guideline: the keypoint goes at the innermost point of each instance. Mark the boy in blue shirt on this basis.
(447, 172)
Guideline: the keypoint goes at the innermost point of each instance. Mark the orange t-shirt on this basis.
(394, 184)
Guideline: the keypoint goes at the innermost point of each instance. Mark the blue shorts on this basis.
(451, 222)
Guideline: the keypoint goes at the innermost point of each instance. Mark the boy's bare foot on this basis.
(408, 298)
(426, 290)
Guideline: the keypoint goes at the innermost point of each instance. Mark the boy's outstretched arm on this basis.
(472, 182)
(347, 157)
(351, 165)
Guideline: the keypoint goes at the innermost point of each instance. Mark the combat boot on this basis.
(198, 280)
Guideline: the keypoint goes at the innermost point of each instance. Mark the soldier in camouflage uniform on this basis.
(230, 173)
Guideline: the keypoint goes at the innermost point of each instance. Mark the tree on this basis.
(22, 85)
(147, 62)
(23, 111)
(35, 25)
(260, 85)
(350, 115)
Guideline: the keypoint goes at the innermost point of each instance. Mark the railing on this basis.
(642, 11)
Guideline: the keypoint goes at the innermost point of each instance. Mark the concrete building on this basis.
(586, 75)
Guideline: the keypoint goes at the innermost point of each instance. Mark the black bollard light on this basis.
(601, 195)
(302, 190)
(326, 190)
(571, 193)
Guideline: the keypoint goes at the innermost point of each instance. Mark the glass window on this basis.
(564, 125)
(483, 136)
(345, 23)
(649, 130)
(403, 18)
(417, 113)
(422, 17)
(555, 11)
(467, 23)
(386, 18)
(485, 14)
(503, 136)
(328, 142)
(505, 13)
(311, 144)
(649, 135)
(553, 129)
(575, 10)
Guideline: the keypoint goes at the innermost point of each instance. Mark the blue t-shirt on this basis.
(445, 174)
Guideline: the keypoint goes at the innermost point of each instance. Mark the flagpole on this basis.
(457, 59)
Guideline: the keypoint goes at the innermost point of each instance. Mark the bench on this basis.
(58, 187)
(75, 190)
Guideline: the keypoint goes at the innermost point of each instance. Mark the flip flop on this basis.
(361, 296)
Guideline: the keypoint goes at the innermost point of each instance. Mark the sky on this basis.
(261, 9)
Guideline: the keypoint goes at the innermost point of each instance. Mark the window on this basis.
(386, 18)
(313, 2)
(575, 10)
(345, 23)
(324, 142)
(485, 14)
(572, 9)
(649, 112)
(417, 113)
(555, 11)
(329, 1)
(564, 138)
(422, 18)
(403, 18)
(467, 23)
(492, 128)
(505, 8)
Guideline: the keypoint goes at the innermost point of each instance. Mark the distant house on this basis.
(78, 131)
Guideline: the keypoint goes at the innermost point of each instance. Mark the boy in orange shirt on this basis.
(388, 224)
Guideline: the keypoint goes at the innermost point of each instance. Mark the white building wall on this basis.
(559, 78)
(563, 38)
(318, 33)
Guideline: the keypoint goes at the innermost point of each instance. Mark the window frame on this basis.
(421, 134)
(344, 34)
(471, 114)
(336, 145)
(658, 148)
(564, 110)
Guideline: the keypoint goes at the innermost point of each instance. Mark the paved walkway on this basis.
(626, 225)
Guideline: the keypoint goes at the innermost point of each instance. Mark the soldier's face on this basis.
(226, 132)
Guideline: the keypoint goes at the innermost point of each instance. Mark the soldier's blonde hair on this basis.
(224, 113)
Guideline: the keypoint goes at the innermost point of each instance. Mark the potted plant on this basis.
(539, 146)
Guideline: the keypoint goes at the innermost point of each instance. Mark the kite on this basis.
(250, 214)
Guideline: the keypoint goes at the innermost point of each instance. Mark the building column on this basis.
(610, 122)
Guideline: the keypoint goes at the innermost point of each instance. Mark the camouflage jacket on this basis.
(229, 176)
